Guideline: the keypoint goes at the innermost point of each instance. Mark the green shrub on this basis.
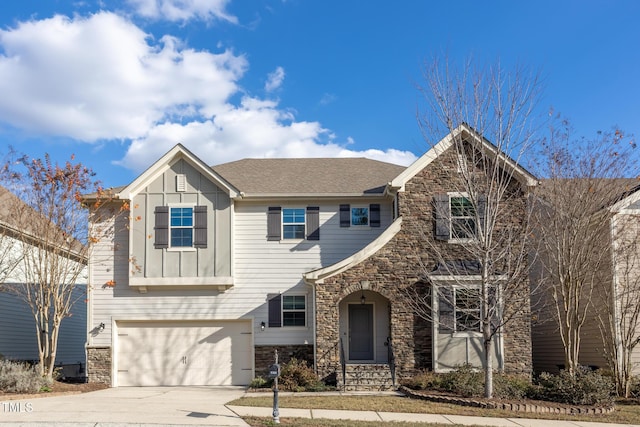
(511, 386)
(465, 380)
(260, 382)
(586, 387)
(298, 376)
(424, 380)
(19, 378)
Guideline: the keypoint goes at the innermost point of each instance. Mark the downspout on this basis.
(614, 290)
(314, 329)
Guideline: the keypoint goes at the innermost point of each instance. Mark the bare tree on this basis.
(573, 228)
(488, 219)
(51, 231)
(10, 255)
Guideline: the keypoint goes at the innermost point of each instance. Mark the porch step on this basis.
(366, 377)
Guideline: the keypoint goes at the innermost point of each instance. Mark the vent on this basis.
(181, 182)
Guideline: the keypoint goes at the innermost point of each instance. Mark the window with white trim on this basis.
(293, 223)
(359, 216)
(181, 227)
(294, 310)
(467, 309)
(456, 216)
(463, 217)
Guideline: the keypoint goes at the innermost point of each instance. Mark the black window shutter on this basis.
(374, 215)
(161, 227)
(275, 310)
(345, 215)
(442, 214)
(273, 223)
(313, 223)
(446, 315)
(200, 226)
(482, 212)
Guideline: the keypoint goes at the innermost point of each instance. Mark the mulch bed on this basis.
(58, 388)
(531, 406)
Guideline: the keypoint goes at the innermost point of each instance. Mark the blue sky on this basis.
(118, 83)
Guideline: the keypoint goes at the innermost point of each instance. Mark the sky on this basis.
(117, 83)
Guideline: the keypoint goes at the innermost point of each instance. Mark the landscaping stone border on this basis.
(552, 408)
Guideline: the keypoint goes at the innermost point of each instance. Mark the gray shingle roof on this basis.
(309, 176)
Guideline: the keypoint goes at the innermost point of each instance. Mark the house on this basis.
(613, 305)
(212, 269)
(17, 324)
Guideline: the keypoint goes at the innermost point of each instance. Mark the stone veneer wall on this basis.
(99, 365)
(401, 264)
(265, 356)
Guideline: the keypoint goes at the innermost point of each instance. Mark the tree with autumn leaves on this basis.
(50, 233)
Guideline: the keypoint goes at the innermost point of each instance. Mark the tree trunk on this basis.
(488, 370)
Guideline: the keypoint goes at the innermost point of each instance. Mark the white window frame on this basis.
(283, 310)
(456, 309)
(171, 227)
(368, 210)
(303, 223)
(452, 238)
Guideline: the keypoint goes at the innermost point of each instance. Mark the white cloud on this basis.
(274, 80)
(183, 10)
(99, 78)
(254, 129)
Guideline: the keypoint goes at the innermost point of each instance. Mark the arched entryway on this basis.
(364, 327)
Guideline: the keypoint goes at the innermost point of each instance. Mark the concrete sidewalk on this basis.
(245, 411)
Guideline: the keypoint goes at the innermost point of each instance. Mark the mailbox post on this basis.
(274, 372)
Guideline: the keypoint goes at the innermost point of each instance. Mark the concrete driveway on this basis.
(128, 405)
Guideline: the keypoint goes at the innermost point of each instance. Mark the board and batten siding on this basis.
(261, 267)
(212, 261)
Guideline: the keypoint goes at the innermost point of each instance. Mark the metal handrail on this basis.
(343, 363)
(392, 361)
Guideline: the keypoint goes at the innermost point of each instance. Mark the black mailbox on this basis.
(274, 371)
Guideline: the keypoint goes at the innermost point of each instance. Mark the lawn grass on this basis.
(624, 414)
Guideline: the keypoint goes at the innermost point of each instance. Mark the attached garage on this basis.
(170, 353)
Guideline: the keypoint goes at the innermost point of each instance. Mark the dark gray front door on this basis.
(360, 331)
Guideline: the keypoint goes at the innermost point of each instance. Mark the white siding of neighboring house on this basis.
(261, 267)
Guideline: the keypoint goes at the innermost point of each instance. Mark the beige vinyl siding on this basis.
(18, 331)
(261, 268)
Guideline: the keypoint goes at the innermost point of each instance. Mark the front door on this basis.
(360, 331)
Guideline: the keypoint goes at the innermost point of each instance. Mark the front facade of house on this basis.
(213, 269)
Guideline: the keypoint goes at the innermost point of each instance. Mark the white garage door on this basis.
(184, 353)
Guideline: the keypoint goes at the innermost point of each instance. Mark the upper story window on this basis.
(181, 227)
(293, 223)
(360, 216)
(456, 216)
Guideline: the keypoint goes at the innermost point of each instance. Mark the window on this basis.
(459, 309)
(463, 218)
(467, 308)
(293, 223)
(287, 310)
(293, 310)
(359, 216)
(456, 216)
(181, 227)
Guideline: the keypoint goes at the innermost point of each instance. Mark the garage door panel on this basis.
(184, 353)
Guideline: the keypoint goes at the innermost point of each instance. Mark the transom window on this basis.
(467, 309)
(293, 225)
(359, 216)
(463, 218)
(181, 222)
(293, 310)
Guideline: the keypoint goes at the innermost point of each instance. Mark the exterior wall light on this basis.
(262, 326)
(101, 327)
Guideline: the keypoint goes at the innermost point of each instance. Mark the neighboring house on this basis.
(618, 292)
(17, 324)
(215, 268)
